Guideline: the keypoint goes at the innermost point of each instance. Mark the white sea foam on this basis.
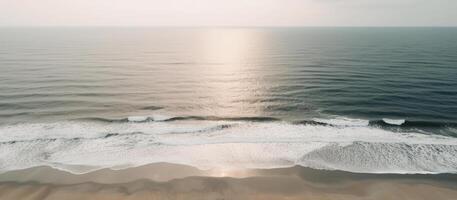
(160, 117)
(209, 144)
(138, 118)
(397, 122)
(343, 121)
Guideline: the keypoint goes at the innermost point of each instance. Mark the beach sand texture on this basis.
(171, 181)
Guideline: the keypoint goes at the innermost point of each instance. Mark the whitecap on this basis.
(138, 118)
(343, 121)
(202, 144)
(160, 117)
(397, 122)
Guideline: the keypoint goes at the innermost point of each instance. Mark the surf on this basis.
(206, 142)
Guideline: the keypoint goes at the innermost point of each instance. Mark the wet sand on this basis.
(171, 181)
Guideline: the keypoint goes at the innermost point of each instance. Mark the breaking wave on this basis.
(245, 142)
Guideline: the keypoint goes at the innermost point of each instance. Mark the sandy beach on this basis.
(228, 100)
(171, 181)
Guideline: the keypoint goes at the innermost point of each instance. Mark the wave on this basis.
(397, 122)
(139, 119)
(152, 108)
(343, 121)
(410, 124)
(210, 142)
(164, 118)
(213, 118)
(396, 125)
(335, 121)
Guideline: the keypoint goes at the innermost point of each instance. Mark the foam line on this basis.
(347, 145)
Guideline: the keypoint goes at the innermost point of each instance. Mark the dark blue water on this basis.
(81, 88)
(288, 73)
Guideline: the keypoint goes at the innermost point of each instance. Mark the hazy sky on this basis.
(229, 12)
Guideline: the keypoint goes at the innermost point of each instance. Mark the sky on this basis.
(228, 12)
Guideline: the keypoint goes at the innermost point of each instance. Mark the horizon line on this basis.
(221, 26)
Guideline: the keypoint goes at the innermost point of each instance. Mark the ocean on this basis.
(365, 100)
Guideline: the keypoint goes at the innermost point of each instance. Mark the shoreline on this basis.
(173, 181)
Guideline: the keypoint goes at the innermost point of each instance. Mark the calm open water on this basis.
(57, 82)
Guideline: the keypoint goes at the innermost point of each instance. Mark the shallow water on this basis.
(70, 91)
